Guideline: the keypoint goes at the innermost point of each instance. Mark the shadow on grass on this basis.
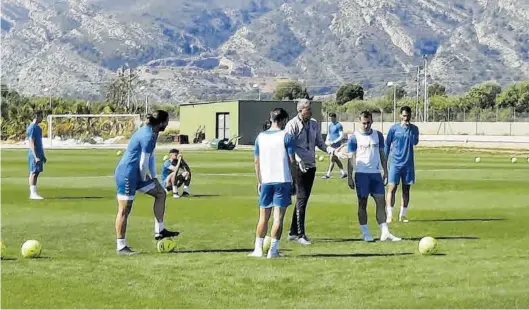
(405, 239)
(218, 251)
(444, 238)
(77, 197)
(8, 258)
(357, 255)
(338, 240)
(460, 220)
(203, 195)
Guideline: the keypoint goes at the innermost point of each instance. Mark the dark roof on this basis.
(240, 100)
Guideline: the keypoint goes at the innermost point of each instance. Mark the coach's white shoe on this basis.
(35, 197)
(176, 196)
(389, 237)
(292, 237)
(256, 253)
(304, 240)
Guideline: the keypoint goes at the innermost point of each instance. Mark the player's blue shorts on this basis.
(275, 195)
(407, 174)
(128, 185)
(369, 184)
(35, 167)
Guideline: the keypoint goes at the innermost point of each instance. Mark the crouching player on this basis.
(172, 177)
(274, 156)
(366, 154)
(136, 171)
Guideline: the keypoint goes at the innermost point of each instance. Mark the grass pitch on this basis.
(478, 212)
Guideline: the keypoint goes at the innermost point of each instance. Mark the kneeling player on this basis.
(136, 171)
(366, 153)
(173, 178)
(274, 155)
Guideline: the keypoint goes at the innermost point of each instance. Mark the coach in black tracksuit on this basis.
(307, 133)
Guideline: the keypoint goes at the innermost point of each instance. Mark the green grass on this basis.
(484, 263)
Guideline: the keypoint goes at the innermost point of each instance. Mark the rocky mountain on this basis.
(196, 50)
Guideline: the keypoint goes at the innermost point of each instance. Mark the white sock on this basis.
(175, 190)
(403, 211)
(274, 247)
(342, 172)
(390, 210)
(33, 189)
(158, 226)
(384, 230)
(259, 244)
(121, 243)
(364, 229)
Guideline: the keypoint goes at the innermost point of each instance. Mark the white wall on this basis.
(452, 128)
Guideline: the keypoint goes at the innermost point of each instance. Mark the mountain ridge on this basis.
(193, 50)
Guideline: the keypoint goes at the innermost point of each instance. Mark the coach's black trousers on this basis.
(304, 182)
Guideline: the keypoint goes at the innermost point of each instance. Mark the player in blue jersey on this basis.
(274, 157)
(36, 157)
(400, 141)
(334, 139)
(365, 150)
(136, 171)
(172, 178)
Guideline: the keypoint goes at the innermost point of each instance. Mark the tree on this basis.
(483, 96)
(348, 92)
(400, 92)
(436, 89)
(515, 96)
(289, 91)
(119, 91)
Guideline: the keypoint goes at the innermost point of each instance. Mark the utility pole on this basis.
(417, 80)
(128, 91)
(425, 88)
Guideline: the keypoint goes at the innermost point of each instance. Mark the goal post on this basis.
(90, 129)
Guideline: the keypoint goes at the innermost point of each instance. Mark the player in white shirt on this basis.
(274, 156)
(366, 154)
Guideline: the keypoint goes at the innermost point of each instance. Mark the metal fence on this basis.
(445, 115)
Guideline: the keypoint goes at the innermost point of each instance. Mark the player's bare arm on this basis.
(384, 161)
(32, 147)
(350, 169)
(257, 172)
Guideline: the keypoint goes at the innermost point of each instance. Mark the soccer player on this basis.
(172, 177)
(399, 149)
(366, 153)
(334, 139)
(307, 135)
(36, 157)
(274, 156)
(136, 171)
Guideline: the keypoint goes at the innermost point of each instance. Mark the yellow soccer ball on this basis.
(119, 153)
(166, 245)
(31, 249)
(514, 160)
(266, 244)
(2, 250)
(321, 158)
(428, 246)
